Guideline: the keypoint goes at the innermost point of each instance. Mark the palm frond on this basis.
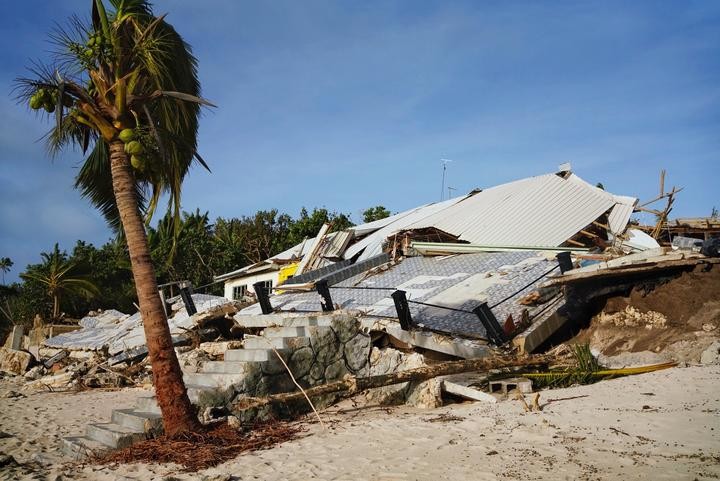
(587, 370)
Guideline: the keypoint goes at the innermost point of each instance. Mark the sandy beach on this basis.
(662, 425)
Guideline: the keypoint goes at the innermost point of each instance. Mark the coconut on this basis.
(126, 135)
(134, 148)
(35, 102)
(138, 162)
(49, 107)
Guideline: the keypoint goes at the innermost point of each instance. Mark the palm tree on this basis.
(60, 276)
(5, 264)
(126, 85)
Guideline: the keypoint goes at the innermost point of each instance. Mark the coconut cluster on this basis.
(134, 148)
(47, 99)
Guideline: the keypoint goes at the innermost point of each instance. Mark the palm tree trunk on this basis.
(177, 412)
(56, 307)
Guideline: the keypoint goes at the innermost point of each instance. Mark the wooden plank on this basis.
(306, 260)
(570, 278)
(601, 225)
(589, 234)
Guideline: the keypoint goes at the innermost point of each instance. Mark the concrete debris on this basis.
(711, 355)
(632, 317)
(14, 362)
(89, 354)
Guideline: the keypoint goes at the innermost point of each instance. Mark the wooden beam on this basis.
(579, 244)
(601, 225)
(351, 385)
(652, 211)
(589, 234)
(662, 183)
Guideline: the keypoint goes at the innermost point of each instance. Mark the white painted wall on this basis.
(250, 280)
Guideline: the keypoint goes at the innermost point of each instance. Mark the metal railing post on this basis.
(322, 288)
(403, 310)
(263, 296)
(565, 262)
(494, 331)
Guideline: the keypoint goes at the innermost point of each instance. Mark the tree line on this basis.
(68, 284)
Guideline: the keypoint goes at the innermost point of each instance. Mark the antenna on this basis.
(444, 166)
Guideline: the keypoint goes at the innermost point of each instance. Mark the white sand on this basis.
(663, 425)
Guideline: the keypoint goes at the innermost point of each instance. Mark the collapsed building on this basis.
(498, 270)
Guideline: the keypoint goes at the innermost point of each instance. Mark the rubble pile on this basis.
(107, 348)
(632, 317)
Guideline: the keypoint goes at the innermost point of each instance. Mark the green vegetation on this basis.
(375, 213)
(585, 370)
(200, 250)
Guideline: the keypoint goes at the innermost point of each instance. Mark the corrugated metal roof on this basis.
(373, 242)
(620, 214)
(541, 211)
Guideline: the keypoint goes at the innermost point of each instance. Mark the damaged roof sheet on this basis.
(542, 211)
(461, 282)
(373, 242)
(119, 332)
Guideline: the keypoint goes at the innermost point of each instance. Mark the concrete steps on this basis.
(283, 320)
(298, 331)
(260, 342)
(212, 379)
(147, 404)
(114, 435)
(146, 422)
(80, 447)
(213, 382)
(224, 367)
(251, 355)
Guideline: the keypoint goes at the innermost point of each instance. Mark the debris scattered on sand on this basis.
(196, 451)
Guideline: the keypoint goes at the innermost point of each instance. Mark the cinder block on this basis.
(522, 384)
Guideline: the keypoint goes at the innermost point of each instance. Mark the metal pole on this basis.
(322, 288)
(403, 310)
(565, 262)
(263, 296)
(187, 298)
(492, 327)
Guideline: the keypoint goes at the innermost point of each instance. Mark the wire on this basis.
(364, 288)
(526, 286)
(440, 307)
(206, 285)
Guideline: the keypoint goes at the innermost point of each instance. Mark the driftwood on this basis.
(351, 385)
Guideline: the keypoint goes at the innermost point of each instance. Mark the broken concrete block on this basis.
(35, 373)
(467, 392)
(16, 338)
(711, 355)
(14, 362)
(521, 384)
(59, 380)
(56, 358)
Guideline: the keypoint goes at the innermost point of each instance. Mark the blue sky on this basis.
(352, 104)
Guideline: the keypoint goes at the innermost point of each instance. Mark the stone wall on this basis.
(326, 355)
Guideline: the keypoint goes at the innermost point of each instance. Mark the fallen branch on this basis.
(350, 385)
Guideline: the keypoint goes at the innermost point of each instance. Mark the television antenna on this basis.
(444, 163)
